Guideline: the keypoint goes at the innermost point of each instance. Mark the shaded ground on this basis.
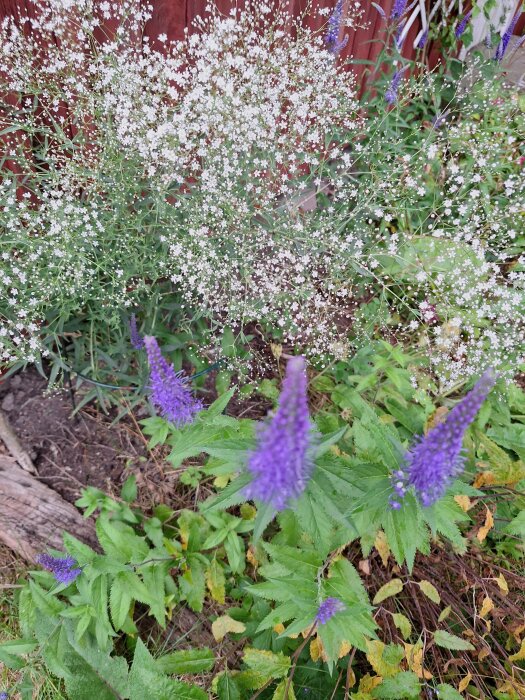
(70, 453)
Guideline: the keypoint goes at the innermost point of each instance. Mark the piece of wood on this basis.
(33, 516)
(13, 444)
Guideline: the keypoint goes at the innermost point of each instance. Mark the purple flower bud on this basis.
(398, 9)
(331, 38)
(463, 25)
(505, 39)
(64, 569)
(437, 458)
(137, 341)
(391, 93)
(281, 464)
(328, 608)
(169, 390)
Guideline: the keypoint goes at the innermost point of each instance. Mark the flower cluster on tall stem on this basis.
(281, 464)
(436, 459)
(169, 389)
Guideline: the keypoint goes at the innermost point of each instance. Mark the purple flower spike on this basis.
(437, 458)
(169, 390)
(505, 39)
(460, 29)
(329, 608)
(137, 341)
(281, 463)
(391, 93)
(4, 696)
(398, 9)
(331, 38)
(64, 569)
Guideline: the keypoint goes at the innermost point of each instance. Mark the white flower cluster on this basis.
(222, 135)
(452, 222)
(236, 171)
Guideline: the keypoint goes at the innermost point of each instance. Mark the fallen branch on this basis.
(33, 516)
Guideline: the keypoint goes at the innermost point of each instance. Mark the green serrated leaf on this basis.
(186, 661)
(450, 641)
(226, 688)
(448, 692)
(403, 685)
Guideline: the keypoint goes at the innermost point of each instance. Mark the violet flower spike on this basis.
(4, 696)
(137, 341)
(331, 38)
(437, 458)
(64, 569)
(398, 9)
(391, 93)
(328, 608)
(460, 29)
(505, 39)
(169, 390)
(281, 463)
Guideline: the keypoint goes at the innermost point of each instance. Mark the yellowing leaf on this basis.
(463, 502)
(381, 544)
(519, 655)
(280, 691)
(382, 667)
(251, 557)
(316, 649)
(391, 588)
(435, 419)
(344, 649)
(502, 583)
(216, 581)
(486, 607)
(221, 481)
(224, 624)
(277, 350)
(485, 478)
(445, 613)
(464, 682)
(483, 653)
(487, 527)
(368, 683)
(403, 624)
(279, 628)
(430, 591)
(414, 657)
(503, 469)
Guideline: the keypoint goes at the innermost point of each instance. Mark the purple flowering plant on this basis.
(64, 569)
(169, 390)
(435, 459)
(281, 463)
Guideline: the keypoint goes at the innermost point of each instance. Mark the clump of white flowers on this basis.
(187, 165)
(237, 172)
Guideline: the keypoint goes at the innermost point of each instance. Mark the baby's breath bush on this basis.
(234, 176)
(140, 167)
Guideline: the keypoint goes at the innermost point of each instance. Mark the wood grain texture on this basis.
(33, 516)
